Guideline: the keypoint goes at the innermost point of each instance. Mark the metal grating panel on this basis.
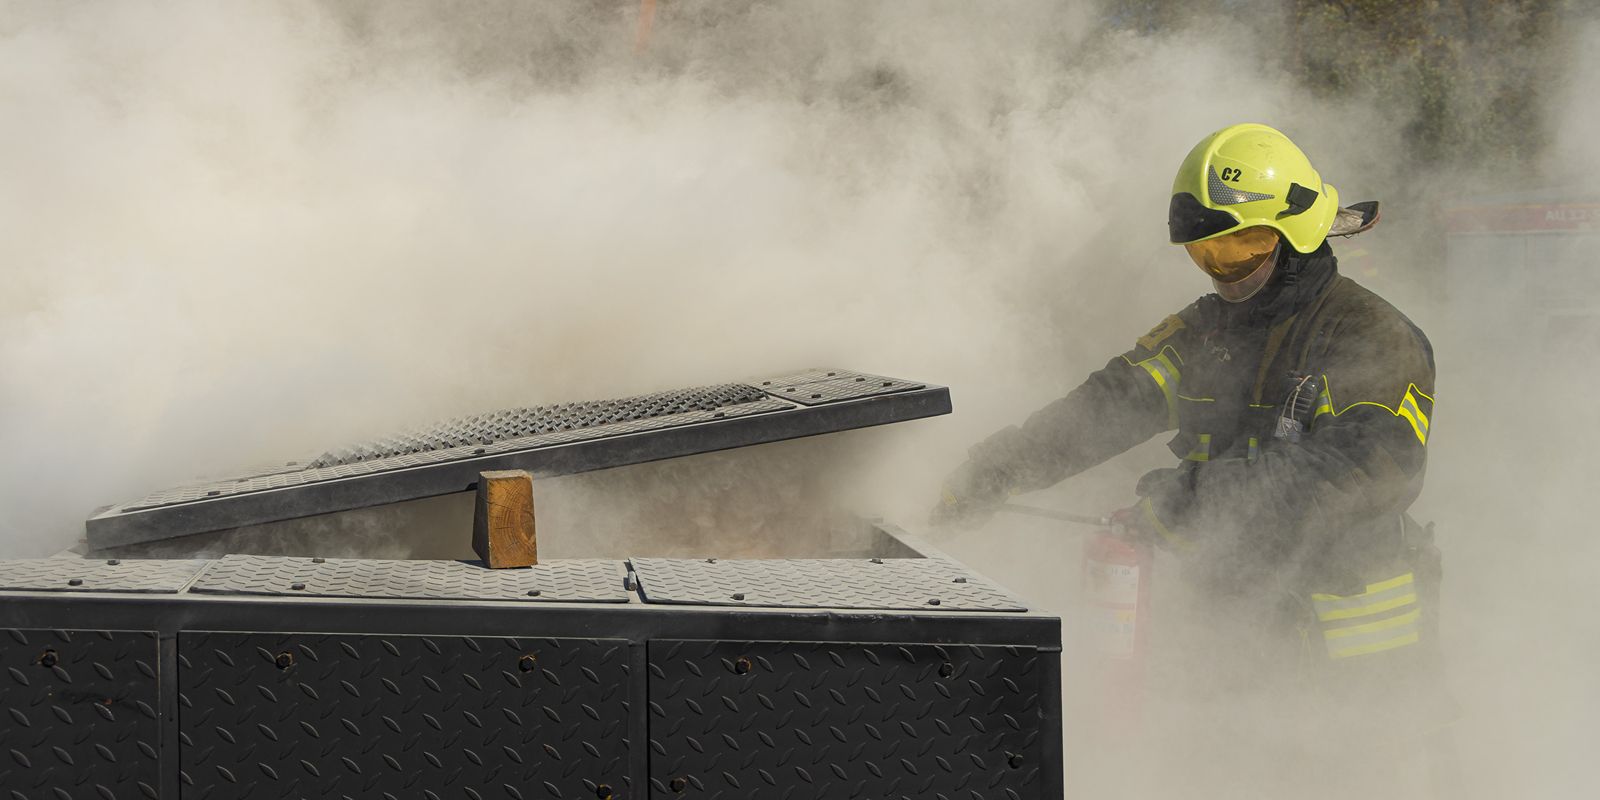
(96, 575)
(363, 716)
(848, 388)
(517, 423)
(547, 440)
(80, 716)
(357, 464)
(567, 581)
(923, 584)
(839, 720)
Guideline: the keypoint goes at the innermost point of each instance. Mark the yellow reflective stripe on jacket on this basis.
(1385, 631)
(1202, 449)
(1324, 403)
(1409, 408)
(1165, 372)
(1373, 637)
(1255, 450)
(1412, 411)
(1378, 597)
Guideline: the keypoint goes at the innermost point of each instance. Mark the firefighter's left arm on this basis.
(1363, 455)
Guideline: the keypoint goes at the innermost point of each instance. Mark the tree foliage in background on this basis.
(1467, 80)
(1469, 77)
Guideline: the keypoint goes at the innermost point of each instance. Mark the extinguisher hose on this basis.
(1061, 516)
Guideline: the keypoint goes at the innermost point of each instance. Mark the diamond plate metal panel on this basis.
(923, 584)
(834, 720)
(570, 581)
(80, 716)
(352, 716)
(95, 575)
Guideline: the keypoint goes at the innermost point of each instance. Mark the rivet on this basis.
(527, 663)
(319, 560)
(213, 493)
(678, 785)
(284, 660)
(816, 395)
(742, 665)
(711, 561)
(75, 582)
(933, 601)
(113, 562)
(947, 669)
(603, 792)
(738, 595)
(960, 580)
(49, 659)
(876, 560)
(297, 586)
(534, 592)
(1014, 759)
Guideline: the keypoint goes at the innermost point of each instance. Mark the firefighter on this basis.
(1303, 406)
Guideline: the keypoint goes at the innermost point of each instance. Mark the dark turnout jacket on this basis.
(1311, 511)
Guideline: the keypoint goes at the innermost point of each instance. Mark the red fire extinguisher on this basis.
(1116, 613)
(1116, 607)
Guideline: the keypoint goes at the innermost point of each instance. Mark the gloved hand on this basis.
(970, 497)
(1165, 498)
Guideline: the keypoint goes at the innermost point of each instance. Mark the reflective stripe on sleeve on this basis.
(1255, 450)
(1412, 411)
(1202, 449)
(1165, 372)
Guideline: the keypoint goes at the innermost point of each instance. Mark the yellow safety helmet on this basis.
(1246, 176)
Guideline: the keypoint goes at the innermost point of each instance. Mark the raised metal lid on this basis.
(546, 440)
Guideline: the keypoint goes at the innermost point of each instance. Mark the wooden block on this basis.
(503, 532)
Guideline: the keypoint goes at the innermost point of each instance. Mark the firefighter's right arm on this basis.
(1131, 399)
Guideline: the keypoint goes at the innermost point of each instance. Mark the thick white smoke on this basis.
(238, 233)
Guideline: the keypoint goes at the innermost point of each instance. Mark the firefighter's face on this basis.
(1239, 263)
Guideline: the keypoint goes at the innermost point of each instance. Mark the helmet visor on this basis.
(1235, 256)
